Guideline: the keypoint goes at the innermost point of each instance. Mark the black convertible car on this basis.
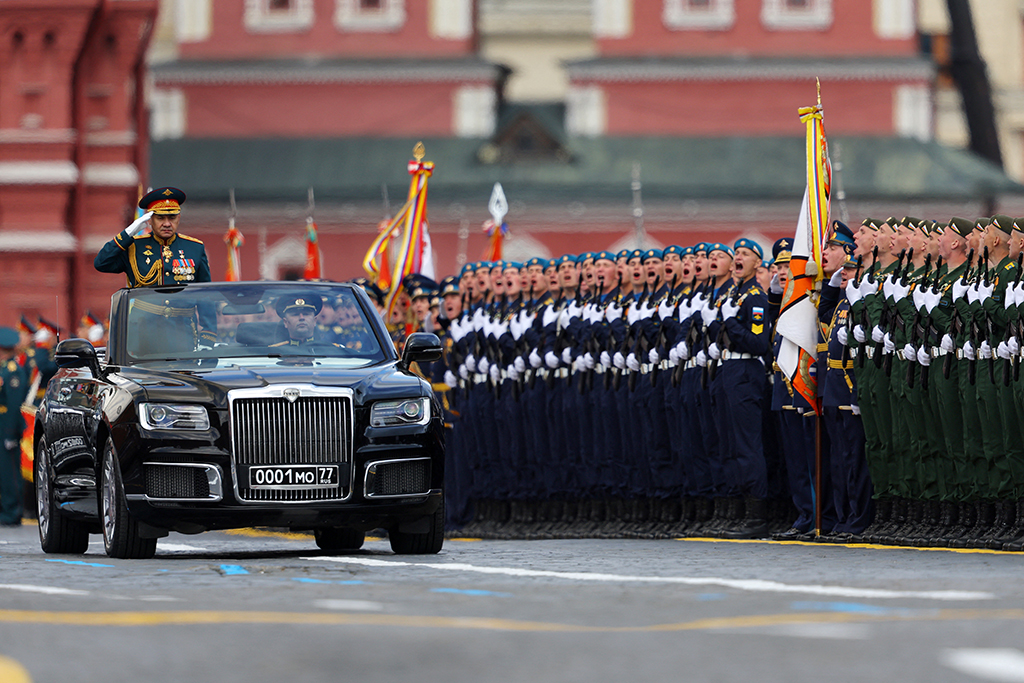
(227, 405)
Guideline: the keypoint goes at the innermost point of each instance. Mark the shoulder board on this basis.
(1008, 266)
(755, 290)
(190, 239)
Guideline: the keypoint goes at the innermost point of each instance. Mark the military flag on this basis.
(414, 238)
(234, 239)
(312, 271)
(496, 228)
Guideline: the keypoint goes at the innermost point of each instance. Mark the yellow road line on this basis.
(874, 546)
(13, 672)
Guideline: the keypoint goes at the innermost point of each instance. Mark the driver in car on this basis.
(298, 315)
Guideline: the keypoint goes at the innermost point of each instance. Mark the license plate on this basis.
(289, 477)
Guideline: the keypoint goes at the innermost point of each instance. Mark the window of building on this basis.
(369, 15)
(796, 14)
(699, 14)
(278, 16)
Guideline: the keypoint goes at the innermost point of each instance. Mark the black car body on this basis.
(204, 413)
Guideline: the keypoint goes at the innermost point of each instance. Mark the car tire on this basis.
(428, 543)
(121, 537)
(339, 539)
(57, 533)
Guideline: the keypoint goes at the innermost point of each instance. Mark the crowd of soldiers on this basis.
(638, 393)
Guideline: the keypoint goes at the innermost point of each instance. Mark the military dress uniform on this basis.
(13, 389)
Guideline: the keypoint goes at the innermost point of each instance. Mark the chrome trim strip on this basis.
(371, 471)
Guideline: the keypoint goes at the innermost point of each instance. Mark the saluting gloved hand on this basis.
(729, 309)
(702, 358)
(138, 224)
(968, 350)
(520, 364)
(512, 373)
(1003, 350)
(551, 360)
(535, 360)
(775, 286)
(842, 335)
(924, 357)
(714, 352)
(877, 334)
(463, 371)
(588, 360)
(450, 379)
(858, 334)
(909, 352)
(567, 355)
(665, 309)
(947, 344)
(471, 363)
(654, 357)
(482, 365)
(888, 345)
(632, 363)
(619, 360)
(836, 279)
(1013, 346)
(984, 350)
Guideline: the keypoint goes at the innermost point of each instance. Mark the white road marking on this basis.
(350, 605)
(994, 664)
(754, 585)
(176, 547)
(813, 630)
(45, 590)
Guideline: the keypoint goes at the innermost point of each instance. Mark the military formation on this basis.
(639, 394)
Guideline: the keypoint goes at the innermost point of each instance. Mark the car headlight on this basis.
(170, 416)
(413, 411)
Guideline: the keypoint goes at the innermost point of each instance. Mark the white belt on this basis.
(541, 372)
(732, 355)
(562, 373)
(598, 368)
(690, 364)
(480, 378)
(645, 368)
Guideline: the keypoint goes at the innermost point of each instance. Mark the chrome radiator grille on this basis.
(311, 430)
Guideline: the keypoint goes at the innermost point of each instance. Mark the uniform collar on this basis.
(168, 242)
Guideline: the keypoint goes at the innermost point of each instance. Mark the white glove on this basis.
(775, 286)
(1003, 350)
(887, 344)
(512, 373)
(684, 350)
(654, 357)
(972, 294)
(619, 361)
(549, 316)
(918, 296)
(450, 379)
(613, 312)
(887, 286)
(729, 309)
(931, 299)
(495, 373)
(842, 335)
(984, 350)
(853, 291)
(960, 289)
(837, 278)
(714, 352)
(567, 355)
(646, 311)
(685, 309)
(673, 355)
(605, 359)
(588, 361)
(519, 364)
(551, 360)
(1018, 293)
(900, 291)
(138, 224)
(471, 363)
(665, 309)
(709, 313)
(1013, 346)
(633, 314)
(463, 371)
(909, 352)
(985, 291)
(877, 334)
(968, 350)
(482, 366)
(515, 328)
(946, 344)
(632, 363)
(565, 316)
(535, 360)
(923, 357)
(858, 334)
(702, 358)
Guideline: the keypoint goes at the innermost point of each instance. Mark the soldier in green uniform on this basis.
(13, 388)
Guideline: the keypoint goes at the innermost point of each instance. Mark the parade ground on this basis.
(257, 605)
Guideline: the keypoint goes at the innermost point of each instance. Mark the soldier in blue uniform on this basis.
(13, 388)
(162, 256)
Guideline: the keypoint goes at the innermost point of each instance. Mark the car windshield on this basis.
(249, 324)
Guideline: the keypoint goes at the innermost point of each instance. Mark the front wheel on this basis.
(120, 531)
(339, 539)
(57, 533)
(429, 543)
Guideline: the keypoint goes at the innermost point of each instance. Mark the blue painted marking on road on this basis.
(302, 580)
(475, 593)
(853, 607)
(353, 582)
(233, 569)
(80, 562)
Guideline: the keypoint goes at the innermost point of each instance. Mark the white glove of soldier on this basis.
(858, 334)
(138, 224)
(619, 361)
(968, 350)
(632, 363)
(923, 357)
(887, 286)
(482, 365)
(450, 379)
(665, 309)
(855, 409)
(985, 291)
(887, 344)
(709, 313)
(1018, 293)
(853, 291)
(836, 279)
(613, 312)
(729, 309)
(865, 283)
(972, 294)
(673, 355)
(931, 297)
(605, 359)
(685, 309)
(565, 316)
(519, 364)
(567, 355)
(946, 344)
(984, 350)
(714, 352)
(535, 360)
(909, 352)
(877, 334)
(842, 335)
(646, 311)
(633, 314)
(775, 286)
(900, 291)
(1003, 350)
(702, 358)
(512, 373)
(1013, 346)
(960, 289)
(551, 360)
(918, 296)
(588, 361)
(684, 350)
(471, 363)
(463, 372)
(495, 373)
(654, 357)
(515, 328)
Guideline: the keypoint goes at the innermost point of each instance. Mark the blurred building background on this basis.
(565, 102)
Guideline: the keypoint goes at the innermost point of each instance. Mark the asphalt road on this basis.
(261, 606)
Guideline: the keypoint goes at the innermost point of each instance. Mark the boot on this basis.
(754, 523)
(973, 526)
(897, 520)
(966, 516)
(986, 520)
(940, 537)
(883, 510)
(910, 531)
(702, 513)
(1006, 515)
(1017, 531)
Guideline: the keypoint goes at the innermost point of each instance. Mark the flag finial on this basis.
(818, 82)
(419, 151)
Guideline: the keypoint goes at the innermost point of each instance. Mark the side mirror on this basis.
(77, 353)
(421, 347)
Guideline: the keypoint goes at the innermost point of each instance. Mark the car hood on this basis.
(211, 386)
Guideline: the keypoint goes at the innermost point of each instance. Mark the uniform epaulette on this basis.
(190, 239)
(1009, 265)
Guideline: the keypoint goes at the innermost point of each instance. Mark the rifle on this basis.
(677, 375)
(929, 330)
(659, 338)
(883, 322)
(865, 322)
(611, 373)
(560, 341)
(722, 340)
(915, 329)
(895, 319)
(587, 378)
(975, 335)
(956, 322)
(846, 347)
(1011, 326)
(627, 345)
